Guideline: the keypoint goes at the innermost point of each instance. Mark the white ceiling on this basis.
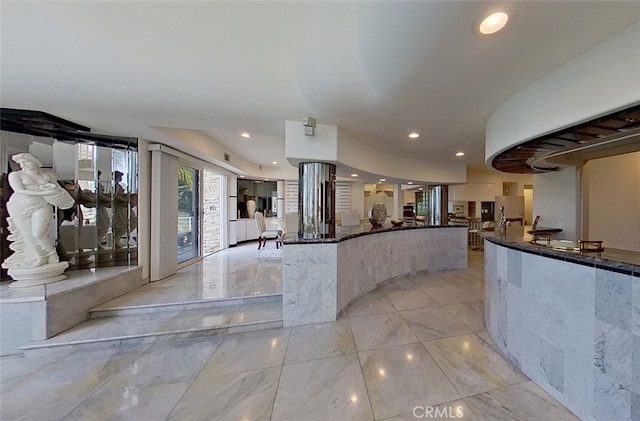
(377, 69)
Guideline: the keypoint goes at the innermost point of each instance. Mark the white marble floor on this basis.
(414, 348)
(242, 271)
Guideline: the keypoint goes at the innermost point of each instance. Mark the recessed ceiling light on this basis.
(460, 154)
(409, 182)
(420, 189)
(241, 176)
(266, 179)
(274, 162)
(354, 175)
(383, 179)
(493, 23)
(414, 135)
(245, 135)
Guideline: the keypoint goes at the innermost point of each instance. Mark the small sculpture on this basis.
(502, 228)
(34, 260)
(377, 214)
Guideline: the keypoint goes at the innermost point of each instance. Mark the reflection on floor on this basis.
(241, 271)
(413, 347)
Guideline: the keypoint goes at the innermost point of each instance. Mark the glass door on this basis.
(188, 213)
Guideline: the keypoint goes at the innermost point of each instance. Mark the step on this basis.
(38, 312)
(144, 328)
(107, 311)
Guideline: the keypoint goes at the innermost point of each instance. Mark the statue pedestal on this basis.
(45, 274)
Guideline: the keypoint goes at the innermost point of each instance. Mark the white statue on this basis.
(103, 220)
(30, 221)
(124, 219)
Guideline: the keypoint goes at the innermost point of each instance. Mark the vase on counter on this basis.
(377, 214)
(251, 208)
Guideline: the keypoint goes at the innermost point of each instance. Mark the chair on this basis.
(263, 233)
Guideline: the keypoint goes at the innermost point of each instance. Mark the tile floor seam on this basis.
(441, 371)
(364, 380)
(457, 318)
(275, 396)
(318, 359)
(469, 406)
(186, 390)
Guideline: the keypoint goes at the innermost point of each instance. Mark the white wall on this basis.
(611, 189)
(555, 199)
(357, 198)
(528, 206)
(322, 147)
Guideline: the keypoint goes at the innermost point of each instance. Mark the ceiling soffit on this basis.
(523, 157)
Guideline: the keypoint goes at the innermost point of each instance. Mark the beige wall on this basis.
(556, 200)
(611, 193)
(484, 185)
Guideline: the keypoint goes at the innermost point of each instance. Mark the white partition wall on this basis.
(164, 213)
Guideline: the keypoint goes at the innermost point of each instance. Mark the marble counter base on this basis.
(573, 329)
(321, 280)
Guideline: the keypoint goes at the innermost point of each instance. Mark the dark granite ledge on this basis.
(616, 260)
(347, 233)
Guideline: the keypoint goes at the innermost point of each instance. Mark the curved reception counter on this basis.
(570, 322)
(322, 277)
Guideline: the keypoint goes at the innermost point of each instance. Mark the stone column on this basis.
(316, 200)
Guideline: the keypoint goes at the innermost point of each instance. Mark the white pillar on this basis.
(232, 208)
(280, 199)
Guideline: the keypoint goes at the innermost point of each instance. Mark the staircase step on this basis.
(140, 339)
(169, 324)
(107, 311)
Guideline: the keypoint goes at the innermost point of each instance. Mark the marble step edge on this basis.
(148, 338)
(103, 311)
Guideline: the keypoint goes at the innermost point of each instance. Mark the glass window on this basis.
(188, 213)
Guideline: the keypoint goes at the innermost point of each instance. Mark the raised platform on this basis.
(116, 326)
(40, 312)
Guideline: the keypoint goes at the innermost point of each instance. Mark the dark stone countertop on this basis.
(621, 261)
(346, 233)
